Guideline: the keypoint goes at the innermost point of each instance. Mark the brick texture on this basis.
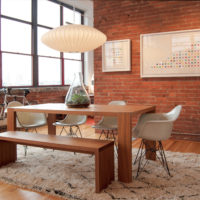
(39, 95)
(127, 19)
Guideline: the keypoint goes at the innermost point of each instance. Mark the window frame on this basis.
(34, 43)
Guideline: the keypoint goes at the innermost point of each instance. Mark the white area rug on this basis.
(72, 177)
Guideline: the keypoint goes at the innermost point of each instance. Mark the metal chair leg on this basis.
(141, 153)
(115, 143)
(107, 134)
(102, 132)
(25, 146)
(140, 159)
(70, 131)
(163, 158)
(65, 130)
(25, 150)
(62, 130)
(136, 158)
(78, 128)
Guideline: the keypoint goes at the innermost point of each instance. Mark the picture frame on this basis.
(170, 54)
(116, 56)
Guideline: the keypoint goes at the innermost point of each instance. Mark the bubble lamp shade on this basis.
(74, 38)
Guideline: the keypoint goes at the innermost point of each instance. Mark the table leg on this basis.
(11, 120)
(150, 147)
(51, 127)
(124, 148)
(8, 150)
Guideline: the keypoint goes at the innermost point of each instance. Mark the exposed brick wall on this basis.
(127, 19)
(40, 95)
(56, 95)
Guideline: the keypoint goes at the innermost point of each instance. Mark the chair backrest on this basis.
(28, 119)
(117, 103)
(14, 104)
(106, 120)
(156, 126)
(74, 119)
(31, 120)
(174, 113)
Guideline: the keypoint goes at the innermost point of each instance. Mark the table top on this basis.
(93, 109)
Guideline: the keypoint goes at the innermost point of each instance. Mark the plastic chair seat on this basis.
(71, 121)
(105, 127)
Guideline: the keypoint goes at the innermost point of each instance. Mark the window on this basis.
(15, 36)
(71, 17)
(49, 17)
(49, 71)
(16, 70)
(23, 11)
(71, 67)
(26, 61)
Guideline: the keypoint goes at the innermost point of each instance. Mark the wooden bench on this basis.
(102, 149)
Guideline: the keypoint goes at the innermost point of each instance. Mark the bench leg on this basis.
(8, 153)
(104, 167)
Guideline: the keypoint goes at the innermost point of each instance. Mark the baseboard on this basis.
(186, 136)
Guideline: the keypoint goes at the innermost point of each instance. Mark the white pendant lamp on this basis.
(74, 38)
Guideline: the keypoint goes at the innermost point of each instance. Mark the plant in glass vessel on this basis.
(77, 96)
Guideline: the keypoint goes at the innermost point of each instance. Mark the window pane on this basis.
(16, 70)
(42, 48)
(71, 67)
(49, 71)
(20, 9)
(76, 56)
(16, 36)
(69, 16)
(48, 13)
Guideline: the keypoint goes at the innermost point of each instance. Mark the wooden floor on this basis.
(10, 192)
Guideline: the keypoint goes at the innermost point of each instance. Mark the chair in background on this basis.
(28, 120)
(13, 104)
(154, 127)
(108, 125)
(71, 121)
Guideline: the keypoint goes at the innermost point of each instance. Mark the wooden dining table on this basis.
(123, 113)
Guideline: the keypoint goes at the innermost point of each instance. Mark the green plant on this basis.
(79, 99)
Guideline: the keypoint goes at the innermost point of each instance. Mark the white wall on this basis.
(87, 7)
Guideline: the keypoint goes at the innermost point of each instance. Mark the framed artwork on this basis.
(116, 56)
(170, 54)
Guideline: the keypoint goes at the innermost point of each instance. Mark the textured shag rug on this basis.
(71, 176)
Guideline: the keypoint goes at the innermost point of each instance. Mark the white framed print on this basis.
(116, 56)
(170, 54)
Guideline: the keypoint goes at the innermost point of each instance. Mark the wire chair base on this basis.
(110, 135)
(72, 132)
(142, 162)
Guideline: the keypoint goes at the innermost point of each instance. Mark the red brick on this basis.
(128, 19)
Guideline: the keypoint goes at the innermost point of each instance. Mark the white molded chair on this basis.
(154, 127)
(28, 120)
(72, 121)
(13, 104)
(108, 125)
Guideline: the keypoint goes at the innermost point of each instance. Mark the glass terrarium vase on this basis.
(77, 96)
